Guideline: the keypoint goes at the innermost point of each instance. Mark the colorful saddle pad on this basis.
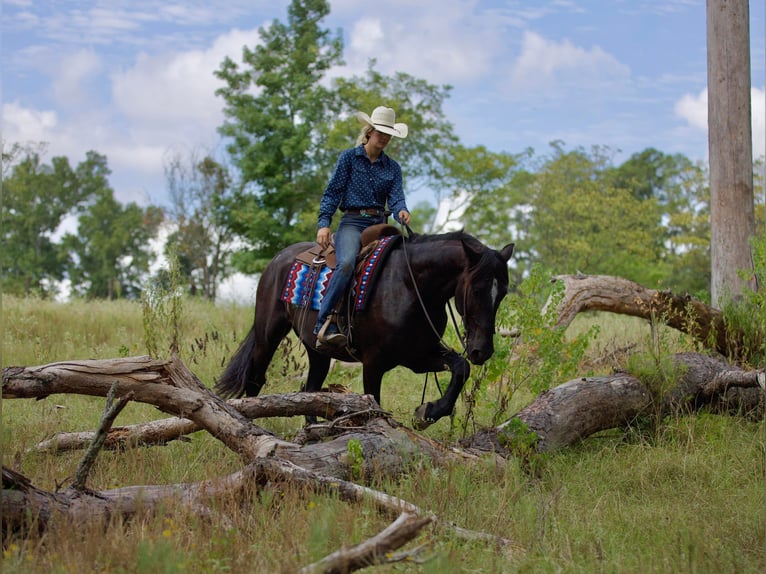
(306, 284)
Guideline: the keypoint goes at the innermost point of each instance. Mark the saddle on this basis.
(311, 269)
(371, 237)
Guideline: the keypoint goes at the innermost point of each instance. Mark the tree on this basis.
(582, 222)
(276, 133)
(731, 148)
(202, 240)
(36, 199)
(678, 187)
(287, 137)
(109, 255)
(492, 196)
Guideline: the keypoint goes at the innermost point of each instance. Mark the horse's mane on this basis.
(459, 235)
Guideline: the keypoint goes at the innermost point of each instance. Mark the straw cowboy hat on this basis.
(383, 119)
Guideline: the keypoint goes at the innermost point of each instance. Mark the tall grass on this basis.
(688, 498)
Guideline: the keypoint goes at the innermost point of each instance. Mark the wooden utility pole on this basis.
(732, 212)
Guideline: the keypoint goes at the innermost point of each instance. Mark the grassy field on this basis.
(688, 496)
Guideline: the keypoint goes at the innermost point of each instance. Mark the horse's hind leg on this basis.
(430, 412)
(269, 332)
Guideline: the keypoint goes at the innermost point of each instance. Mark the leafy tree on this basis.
(287, 129)
(582, 222)
(274, 107)
(202, 240)
(492, 202)
(110, 255)
(37, 197)
(679, 189)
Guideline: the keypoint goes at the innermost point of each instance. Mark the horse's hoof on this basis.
(421, 421)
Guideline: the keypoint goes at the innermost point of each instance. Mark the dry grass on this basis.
(688, 498)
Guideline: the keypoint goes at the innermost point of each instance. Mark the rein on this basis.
(423, 305)
(428, 318)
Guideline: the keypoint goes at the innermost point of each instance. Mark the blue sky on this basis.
(134, 79)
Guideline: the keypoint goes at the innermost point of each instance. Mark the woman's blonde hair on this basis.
(364, 135)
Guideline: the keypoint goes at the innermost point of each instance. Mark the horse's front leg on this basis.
(429, 413)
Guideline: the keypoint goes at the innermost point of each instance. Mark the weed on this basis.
(355, 459)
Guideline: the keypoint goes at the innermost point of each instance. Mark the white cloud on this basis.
(22, 124)
(172, 92)
(70, 83)
(442, 42)
(546, 67)
(693, 109)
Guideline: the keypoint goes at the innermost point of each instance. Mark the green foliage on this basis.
(286, 139)
(355, 458)
(277, 134)
(160, 557)
(540, 354)
(519, 439)
(36, 199)
(747, 315)
(109, 255)
(583, 223)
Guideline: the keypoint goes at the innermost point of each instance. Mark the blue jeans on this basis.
(347, 245)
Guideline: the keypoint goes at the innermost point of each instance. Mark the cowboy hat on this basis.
(383, 119)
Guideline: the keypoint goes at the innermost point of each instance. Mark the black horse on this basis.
(402, 323)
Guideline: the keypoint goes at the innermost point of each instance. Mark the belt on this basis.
(366, 212)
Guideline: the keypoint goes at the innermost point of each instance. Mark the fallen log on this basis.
(163, 431)
(617, 295)
(556, 418)
(584, 406)
(386, 446)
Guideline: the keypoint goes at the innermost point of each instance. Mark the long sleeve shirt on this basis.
(356, 184)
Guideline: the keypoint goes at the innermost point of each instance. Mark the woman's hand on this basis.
(323, 237)
(404, 217)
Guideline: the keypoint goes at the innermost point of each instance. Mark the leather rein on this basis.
(423, 305)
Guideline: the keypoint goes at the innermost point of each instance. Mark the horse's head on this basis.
(481, 288)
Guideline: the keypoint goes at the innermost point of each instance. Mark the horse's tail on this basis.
(239, 370)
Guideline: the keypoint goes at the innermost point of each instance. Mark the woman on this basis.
(364, 181)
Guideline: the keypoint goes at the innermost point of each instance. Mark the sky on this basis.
(133, 79)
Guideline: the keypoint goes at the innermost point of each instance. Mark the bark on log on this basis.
(618, 295)
(584, 406)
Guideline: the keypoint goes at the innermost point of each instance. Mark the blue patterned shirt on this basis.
(357, 183)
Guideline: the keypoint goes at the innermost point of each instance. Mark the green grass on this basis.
(687, 497)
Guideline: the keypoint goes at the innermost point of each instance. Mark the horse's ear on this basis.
(474, 250)
(507, 251)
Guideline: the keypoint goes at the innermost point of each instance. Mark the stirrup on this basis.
(333, 340)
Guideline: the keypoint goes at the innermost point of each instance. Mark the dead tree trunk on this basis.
(618, 295)
(582, 407)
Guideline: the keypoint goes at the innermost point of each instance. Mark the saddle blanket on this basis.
(306, 284)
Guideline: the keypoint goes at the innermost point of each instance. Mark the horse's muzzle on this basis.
(480, 355)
